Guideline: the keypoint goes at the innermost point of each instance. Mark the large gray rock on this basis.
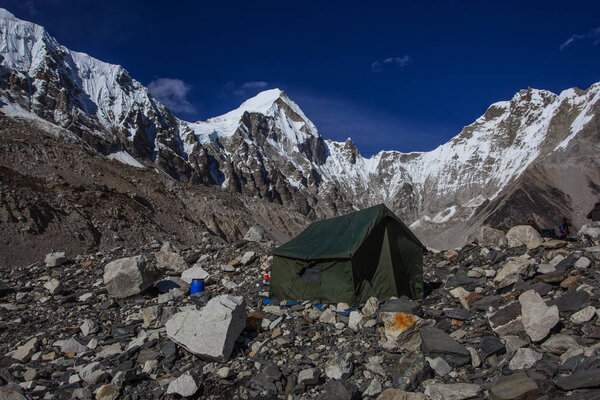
(590, 234)
(248, 258)
(25, 351)
(309, 376)
(588, 378)
(491, 237)
(210, 333)
(507, 320)
(520, 235)
(70, 346)
(373, 389)
(558, 344)
(170, 261)
(536, 316)
(255, 234)
(515, 387)
(514, 269)
(451, 391)
(53, 286)
(185, 386)
(127, 277)
(55, 259)
(7, 393)
(410, 371)
(196, 272)
(524, 358)
(88, 327)
(340, 367)
(437, 343)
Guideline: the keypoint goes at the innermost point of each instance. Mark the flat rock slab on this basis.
(127, 277)
(211, 332)
(524, 358)
(55, 259)
(70, 346)
(558, 344)
(10, 394)
(452, 391)
(195, 272)
(507, 320)
(395, 394)
(515, 387)
(571, 301)
(520, 235)
(410, 371)
(185, 386)
(553, 277)
(536, 316)
(437, 343)
(170, 261)
(402, 304)
(589, 378)
(491, 345)
(462, 315)
(513, 270)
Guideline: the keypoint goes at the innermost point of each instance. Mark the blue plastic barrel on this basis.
(197, 286)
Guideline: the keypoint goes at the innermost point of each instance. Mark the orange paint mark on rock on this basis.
(401, 321)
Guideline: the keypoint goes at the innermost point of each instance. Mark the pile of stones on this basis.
(513, 316)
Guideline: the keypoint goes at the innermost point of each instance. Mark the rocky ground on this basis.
(512, 317)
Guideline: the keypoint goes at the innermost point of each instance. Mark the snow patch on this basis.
(125, 158)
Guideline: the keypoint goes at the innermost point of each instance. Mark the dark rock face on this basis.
(410, 371)
(491, 345)
(582, 379)
(571, 301)
(515, 387)
(437, 343)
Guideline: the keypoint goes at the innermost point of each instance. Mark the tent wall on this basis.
(373, 266)
(326, 281)
(408, 259)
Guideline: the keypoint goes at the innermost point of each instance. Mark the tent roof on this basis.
(338, 237)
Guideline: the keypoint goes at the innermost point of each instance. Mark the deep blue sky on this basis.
(391, 75)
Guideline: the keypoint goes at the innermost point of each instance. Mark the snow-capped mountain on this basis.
(268, 148)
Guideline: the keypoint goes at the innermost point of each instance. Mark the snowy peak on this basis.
(262, 103)
(282, 113)
(97, 100)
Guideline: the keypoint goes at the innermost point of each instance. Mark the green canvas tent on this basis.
(349, 259)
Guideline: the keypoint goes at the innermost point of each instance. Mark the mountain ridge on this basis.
(269, 149)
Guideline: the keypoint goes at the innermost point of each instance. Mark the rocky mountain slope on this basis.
(531, 159)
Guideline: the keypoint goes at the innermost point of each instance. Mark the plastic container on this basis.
(197, 286)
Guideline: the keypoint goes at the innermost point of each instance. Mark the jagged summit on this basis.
(273, 103)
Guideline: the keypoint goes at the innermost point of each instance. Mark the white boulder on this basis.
(210, 333)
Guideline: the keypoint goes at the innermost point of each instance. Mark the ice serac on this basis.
(531, 159)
